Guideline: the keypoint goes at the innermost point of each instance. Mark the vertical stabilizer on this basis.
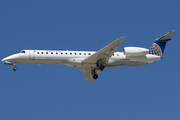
(158, 46)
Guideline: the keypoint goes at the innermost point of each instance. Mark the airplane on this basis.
(92, 63)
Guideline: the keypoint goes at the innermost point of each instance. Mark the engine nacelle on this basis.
(135, 51)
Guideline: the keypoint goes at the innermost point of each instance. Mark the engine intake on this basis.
(135, 51)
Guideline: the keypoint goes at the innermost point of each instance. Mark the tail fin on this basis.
(158, 46)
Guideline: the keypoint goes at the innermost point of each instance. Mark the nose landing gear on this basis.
(14, 68)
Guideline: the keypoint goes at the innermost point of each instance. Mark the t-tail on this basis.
(158, 46)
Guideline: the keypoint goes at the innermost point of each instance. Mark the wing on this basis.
(104, 54)
(87, 71)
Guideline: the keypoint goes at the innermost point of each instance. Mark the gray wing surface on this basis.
(87, 71)
(104, 53)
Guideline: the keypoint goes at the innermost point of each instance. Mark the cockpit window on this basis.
(23, 52)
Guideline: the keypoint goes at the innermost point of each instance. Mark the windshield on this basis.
(22, 51)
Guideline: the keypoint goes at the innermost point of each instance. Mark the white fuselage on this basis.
(74, 58)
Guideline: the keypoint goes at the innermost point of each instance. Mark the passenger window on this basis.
(66, 53)
(117, 54)
(89, 53)
(41, 52)
(70, 53)
(84, 53)
(61, 53)
(37, 52)
(75, 53)
(51, 52)
(46, 52)
(57, 53)
(79, 53)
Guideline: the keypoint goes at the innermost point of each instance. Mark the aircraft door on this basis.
(31, 54)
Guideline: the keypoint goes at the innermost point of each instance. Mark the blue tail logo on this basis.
(158, 46)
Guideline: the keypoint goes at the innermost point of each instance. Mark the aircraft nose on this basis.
(10, 58)
(3, 60)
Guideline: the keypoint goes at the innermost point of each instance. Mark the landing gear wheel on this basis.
(95, 76)
(14, 68)
(101, 67)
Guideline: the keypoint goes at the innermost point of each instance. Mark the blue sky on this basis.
(54, 92)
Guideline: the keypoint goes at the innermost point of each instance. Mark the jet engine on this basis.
(135, 51)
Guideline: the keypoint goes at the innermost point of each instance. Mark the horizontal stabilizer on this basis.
(166, 36)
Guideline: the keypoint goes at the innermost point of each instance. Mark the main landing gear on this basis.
(100, 65)
(99, 68)
(95, 76)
